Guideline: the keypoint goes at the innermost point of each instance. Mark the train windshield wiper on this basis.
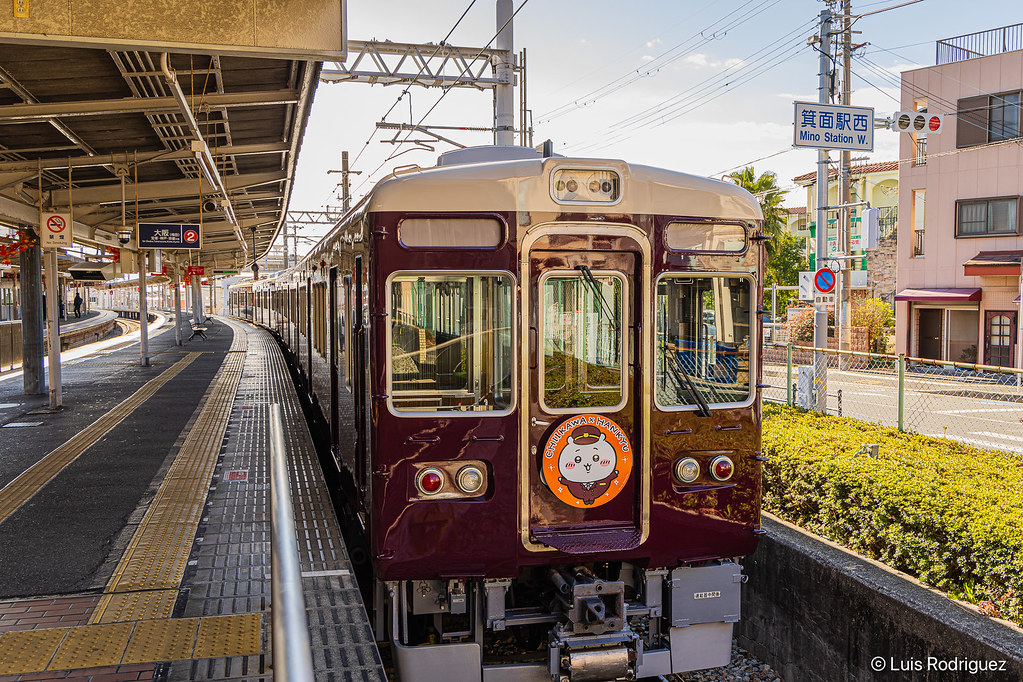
(592, 283)
(678, 371)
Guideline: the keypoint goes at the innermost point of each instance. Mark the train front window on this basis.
(451, 343)
(583, 321)
(702, 340)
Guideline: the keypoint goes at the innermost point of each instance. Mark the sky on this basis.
(703, 87)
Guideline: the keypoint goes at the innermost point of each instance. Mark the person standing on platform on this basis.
(60, 300)
(78, 304)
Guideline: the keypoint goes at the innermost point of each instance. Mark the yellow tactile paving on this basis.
(158, 553)
(92, 646)
(150, 605)
(152, 641)
(162, 640)
(29, 650)
(21, 489)
(228, 636)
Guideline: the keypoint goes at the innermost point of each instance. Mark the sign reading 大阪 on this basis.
(55, 230)
(169, 236)
(834, 126)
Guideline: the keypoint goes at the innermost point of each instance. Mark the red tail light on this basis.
(430, 481)
(721, 468)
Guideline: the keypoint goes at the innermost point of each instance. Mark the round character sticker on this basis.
(587, 461)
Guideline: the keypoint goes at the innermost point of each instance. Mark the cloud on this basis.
(652, 43)
(700, 60)
(647, 58)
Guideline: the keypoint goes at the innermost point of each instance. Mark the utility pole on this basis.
(844, 311)
(820, 314)
(504, 95)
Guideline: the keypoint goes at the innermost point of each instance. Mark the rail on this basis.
(980, 44)
(292, 659)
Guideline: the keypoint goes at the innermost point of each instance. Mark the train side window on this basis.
(450, 340)
(703, 334)
(695, 237)
(583, 325)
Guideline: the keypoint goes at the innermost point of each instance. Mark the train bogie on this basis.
(540, 378)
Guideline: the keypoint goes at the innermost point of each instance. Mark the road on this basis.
(977, 411)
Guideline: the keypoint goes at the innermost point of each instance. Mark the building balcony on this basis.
(980, 44)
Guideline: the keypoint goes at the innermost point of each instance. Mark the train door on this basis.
(584, 408)
(332, 356)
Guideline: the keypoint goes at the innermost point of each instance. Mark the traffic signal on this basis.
(919, 122)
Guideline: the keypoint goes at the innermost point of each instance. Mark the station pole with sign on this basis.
(54, 232)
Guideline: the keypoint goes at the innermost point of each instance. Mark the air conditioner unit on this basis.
(92, 272)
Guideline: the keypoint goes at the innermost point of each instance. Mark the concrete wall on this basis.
(817, 612)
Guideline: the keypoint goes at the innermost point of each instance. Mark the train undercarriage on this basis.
(571, 623)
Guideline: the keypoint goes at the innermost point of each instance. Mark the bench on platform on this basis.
(197, 330)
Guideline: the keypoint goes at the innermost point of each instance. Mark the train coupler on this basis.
(584, 658)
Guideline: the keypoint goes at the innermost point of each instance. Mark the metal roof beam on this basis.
(143, 157)
(165, 189)
(30, 113)
(429, 65)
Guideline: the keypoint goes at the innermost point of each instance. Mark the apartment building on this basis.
(961, 199)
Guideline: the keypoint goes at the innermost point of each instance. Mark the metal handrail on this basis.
(292, 658)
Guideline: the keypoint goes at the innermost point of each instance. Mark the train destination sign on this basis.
(169, 236)
(833, 126)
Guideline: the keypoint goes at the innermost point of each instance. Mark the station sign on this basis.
(197, 269)
(55, 230)
(833, 126)
(170, 236)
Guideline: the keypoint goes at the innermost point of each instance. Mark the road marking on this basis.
(992, 409)
(32, 480)
(990, 434)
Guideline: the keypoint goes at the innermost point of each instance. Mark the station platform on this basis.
(135, 522)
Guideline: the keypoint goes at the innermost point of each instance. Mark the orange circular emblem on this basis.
(587, 461)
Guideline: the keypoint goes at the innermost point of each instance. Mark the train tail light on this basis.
(687, 470)
(430, 481)
(469, 479)
(722, 468)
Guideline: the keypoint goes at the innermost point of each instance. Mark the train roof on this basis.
(523, 184)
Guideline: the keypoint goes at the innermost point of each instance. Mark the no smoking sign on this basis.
(56, 230)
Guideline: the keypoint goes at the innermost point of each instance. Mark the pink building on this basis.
(961, 204)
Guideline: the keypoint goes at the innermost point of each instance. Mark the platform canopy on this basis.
(199, 106)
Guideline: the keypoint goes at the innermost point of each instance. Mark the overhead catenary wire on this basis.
(443, 94)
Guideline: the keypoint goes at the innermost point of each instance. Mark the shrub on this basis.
(948, 513)
(801, 325)
(878, 318)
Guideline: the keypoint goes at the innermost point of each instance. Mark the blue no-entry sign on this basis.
(824, 280)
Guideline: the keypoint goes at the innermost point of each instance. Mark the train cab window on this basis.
(705, 237)
(702, 341)
(583, 330)
(451, 343)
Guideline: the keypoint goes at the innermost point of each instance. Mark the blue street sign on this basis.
(833, 126)
(824, 280)
(169, 236)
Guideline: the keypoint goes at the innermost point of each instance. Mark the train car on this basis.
(540, 379)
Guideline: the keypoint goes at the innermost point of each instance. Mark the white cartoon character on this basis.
(587, 464)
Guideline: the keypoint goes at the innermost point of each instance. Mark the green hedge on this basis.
(948, 513)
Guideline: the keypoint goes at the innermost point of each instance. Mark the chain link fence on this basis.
(977, 404)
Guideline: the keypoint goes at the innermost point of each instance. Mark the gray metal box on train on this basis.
(707, 594)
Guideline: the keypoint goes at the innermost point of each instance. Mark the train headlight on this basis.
(722, 468)
(429, 481)
(687, 470)
(470, 480)
(586, 186)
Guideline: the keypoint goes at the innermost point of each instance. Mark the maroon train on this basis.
(540, 377)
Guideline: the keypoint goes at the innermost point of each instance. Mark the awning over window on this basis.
(939, 295)
(987, 263)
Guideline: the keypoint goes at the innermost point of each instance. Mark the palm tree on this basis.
(765, 189)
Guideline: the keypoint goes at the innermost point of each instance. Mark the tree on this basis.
(785, 256)
(765, 189)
